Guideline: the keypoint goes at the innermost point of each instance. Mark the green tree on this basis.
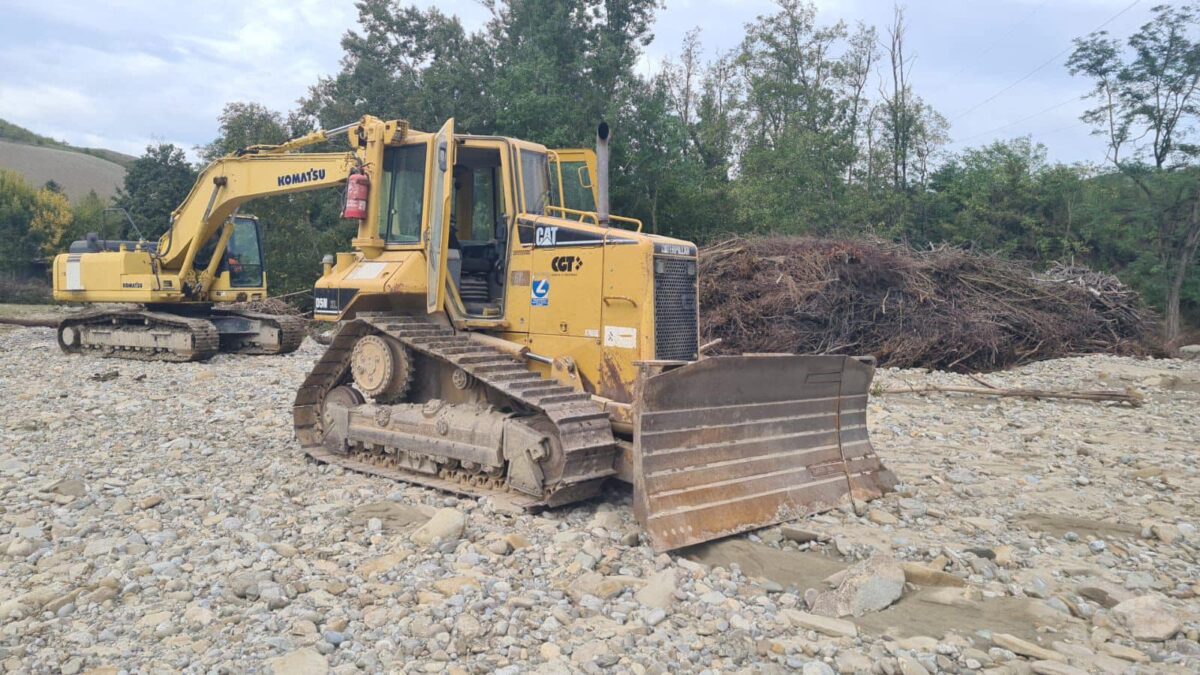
(155, 184)
(243, 125)
(33, 222)
(88, 216)
(1146, 110)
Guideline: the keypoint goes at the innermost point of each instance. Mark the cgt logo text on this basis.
(299, 178)
(566, 263)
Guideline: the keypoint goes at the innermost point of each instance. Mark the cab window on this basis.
(243, 256)
(535, 183)
(574, 194)
(487, 210)
(403, 196)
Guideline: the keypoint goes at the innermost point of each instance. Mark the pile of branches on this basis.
(273, 306)
(944, 308)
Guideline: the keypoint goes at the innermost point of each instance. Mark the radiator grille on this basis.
(675, 309)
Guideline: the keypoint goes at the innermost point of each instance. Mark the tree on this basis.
(87, 215)
(243, 125)
(1146, 96)
(33, 223)
(155, 184)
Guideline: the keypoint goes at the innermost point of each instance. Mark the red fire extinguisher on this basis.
(358, 187)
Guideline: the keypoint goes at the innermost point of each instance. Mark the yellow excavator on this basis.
(503, 334)
(209, 256)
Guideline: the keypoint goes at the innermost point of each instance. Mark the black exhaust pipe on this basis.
(602, 136)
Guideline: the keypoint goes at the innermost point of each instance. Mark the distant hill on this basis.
(18, 134)
(77, 170)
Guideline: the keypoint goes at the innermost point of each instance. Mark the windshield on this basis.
(535, 181)
(243, 257)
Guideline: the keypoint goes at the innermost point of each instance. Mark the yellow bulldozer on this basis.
(209, 256)
(502, 333)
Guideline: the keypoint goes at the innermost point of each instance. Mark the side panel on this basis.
(565, 290)
(438, 230)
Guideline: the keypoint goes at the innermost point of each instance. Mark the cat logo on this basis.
(546, 236)
(566, 263)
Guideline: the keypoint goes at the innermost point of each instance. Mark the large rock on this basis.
(869, 586)
(446, 524)
(659, 591)
(1145, 618)
(1191, 352)
(1016, 645)
(307, 661)
(822, 624)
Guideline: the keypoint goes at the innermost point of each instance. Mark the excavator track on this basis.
(291, 333)
(581, 427)
(139, 335)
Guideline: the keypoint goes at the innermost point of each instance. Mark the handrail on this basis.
(595, 218)
(575, 212)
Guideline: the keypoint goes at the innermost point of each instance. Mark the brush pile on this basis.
(272, 306)
(944, 308)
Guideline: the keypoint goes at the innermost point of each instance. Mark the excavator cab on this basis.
(241, 268)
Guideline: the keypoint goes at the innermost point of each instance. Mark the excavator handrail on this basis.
(595, 217)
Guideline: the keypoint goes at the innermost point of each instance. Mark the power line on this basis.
(1045, 63)
(1055, 131)
(1039, 113)
(1011, 29)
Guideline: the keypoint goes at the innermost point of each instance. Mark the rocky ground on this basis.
(158, 518)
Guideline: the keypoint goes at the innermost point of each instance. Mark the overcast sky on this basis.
(121, 74)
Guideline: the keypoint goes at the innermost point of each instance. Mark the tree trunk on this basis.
(1182, 265)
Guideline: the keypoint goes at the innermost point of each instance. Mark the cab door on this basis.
(437, 234)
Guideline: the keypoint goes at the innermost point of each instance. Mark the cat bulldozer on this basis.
(503, 334)
(171, 290)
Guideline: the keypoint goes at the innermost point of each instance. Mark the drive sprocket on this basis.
(382, 368)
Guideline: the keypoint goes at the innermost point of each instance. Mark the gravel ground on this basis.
(162, 519)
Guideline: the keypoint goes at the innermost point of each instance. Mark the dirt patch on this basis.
(1059, 524)
(796, 569)
(924, 612)
(394, 516)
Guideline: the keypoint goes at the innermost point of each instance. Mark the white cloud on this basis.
(44, 101)
(122, 73)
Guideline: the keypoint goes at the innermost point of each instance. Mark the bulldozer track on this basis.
(205, 339)
(292, 330)
(583, 429)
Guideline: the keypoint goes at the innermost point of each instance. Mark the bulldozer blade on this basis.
(734, 443)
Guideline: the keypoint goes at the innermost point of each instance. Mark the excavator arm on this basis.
(168, 272)
(228, 183)
(261, 171)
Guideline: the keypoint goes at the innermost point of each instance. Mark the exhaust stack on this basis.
(602, 136)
